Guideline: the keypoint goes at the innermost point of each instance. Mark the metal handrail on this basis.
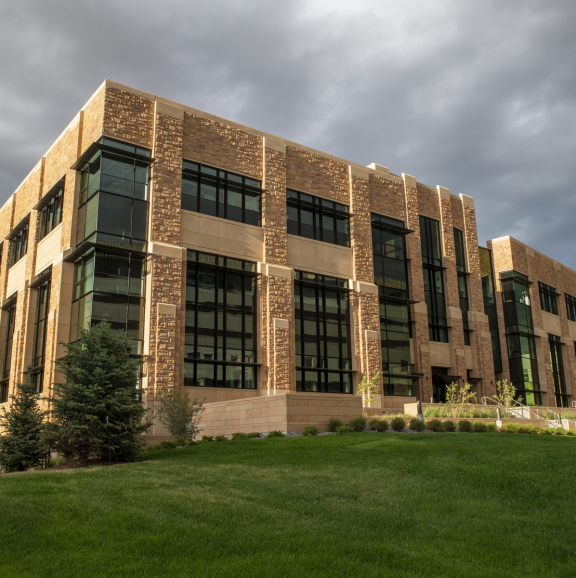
(526, 407)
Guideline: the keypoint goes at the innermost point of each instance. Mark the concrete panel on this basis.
(48, 249)
(440, 354)
(16, 277)
(551, 323)
(319, 257)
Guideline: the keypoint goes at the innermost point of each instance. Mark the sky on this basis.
(477, 96)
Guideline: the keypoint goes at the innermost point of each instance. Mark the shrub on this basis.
(179, 414)
(358, 423)
(207, 439)
(510, 428)
(417, 425)
(342, 429)
(192, 442)
(491, 426)
(464, 426)
(239, 436)
(560, 431)
(333, 423)
(435, 425)
(479, 427)
(379, 425)
(398, 424)
(275, 434)
(310, 430)
(220, 439)
(449, 425)
(254, 435)
(166, 445)
(571, 432)
(527, 429)
(152, 448)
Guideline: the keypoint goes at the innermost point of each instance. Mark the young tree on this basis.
(21, 445)
(97, 411)
(179, 414)
(368, 387)
(458, 397)
(506, 394)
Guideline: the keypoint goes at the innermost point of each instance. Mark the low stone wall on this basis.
(291, 411)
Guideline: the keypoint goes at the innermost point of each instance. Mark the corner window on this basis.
(548, 298)
(317, 218)
(220, 331)
(221, 193)
(323, 334)
(51, 215)
(18, 245)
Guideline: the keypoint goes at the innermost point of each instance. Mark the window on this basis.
(18, 245)
(10, 315)
(323, 352)
(51, 215)
(460, 249)
(220, 332)
(39, 347)
(433, 279)
(488, 293)
(557, 366)
(395, 343)
(317, 218)
(548, 298)
(113, 199)
(520, 336)
(220, 193)
(112, 285)
(571, 307)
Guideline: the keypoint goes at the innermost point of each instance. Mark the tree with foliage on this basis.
(506, 394)
(21, 445)
(458, 397)
(97, 412)
(179, 414)
(368, 387)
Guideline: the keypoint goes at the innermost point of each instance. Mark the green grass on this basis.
(356, 505)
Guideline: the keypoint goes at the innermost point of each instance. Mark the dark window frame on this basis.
(489, 298)
(548, 298)
(557, 367)
(243, 374)
(322, 212)
(321, 373)
(226, 185)
(40, 333)
(7, 353)
(50, 215)
(18, 245)
(570, 307)
(462, 274)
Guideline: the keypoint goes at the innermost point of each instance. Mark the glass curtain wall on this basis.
(322, 327)
(220, 333)
(391, 277)
(434, 279)
(557, 366)
(462, 273)
(520, 336)
(488, 293)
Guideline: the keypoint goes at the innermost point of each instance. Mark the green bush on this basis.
(527, 429)
(310, 430)
(510, 428)
(571, 432)
(239, 436)
(464, 426)
(449, 425)
(275, 434)
(398, 424)
(152, 448)
(358, 423)
(342, 429)
(479, 427)
(207, 439)
(417, 425)
(254, 435)
(379, 425)
(192, 442)
(491, 426)
(435, 425)
(167, 445)
(333, 423)
(220, 439)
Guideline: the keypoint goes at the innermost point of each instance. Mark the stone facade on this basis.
(173, 132)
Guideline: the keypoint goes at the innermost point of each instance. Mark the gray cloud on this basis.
(478, 96)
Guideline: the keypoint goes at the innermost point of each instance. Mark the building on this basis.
(260, 274)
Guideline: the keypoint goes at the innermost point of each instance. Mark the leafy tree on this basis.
(506, 394)
(458, 397)
(97, 412)
(21, 446)
(179, 414)
(368, 387)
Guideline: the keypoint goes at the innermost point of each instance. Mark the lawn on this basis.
(355, 505)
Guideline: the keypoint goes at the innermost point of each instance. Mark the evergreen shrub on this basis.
(310, 430)
(358, 423)
(333, 423)
(464, 426)
(398, 424)
(417, 425)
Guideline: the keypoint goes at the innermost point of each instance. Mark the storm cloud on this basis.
(477, 96)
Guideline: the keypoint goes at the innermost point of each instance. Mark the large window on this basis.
(10, 314)
(323, 352)
(461, 271)
(18, 245)
(113, 197)
(520, 336)
(109, 285)
(395, 342)
(39, 347)
(548, 298)
(220, 193)
(488, 293)
(571, 307)
(317, 218)
(51, 214)
(433, 279)
(220, 339)
(557, 366)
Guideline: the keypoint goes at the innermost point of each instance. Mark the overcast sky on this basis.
(478, 95)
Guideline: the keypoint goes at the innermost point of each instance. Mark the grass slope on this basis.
(367, 505)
